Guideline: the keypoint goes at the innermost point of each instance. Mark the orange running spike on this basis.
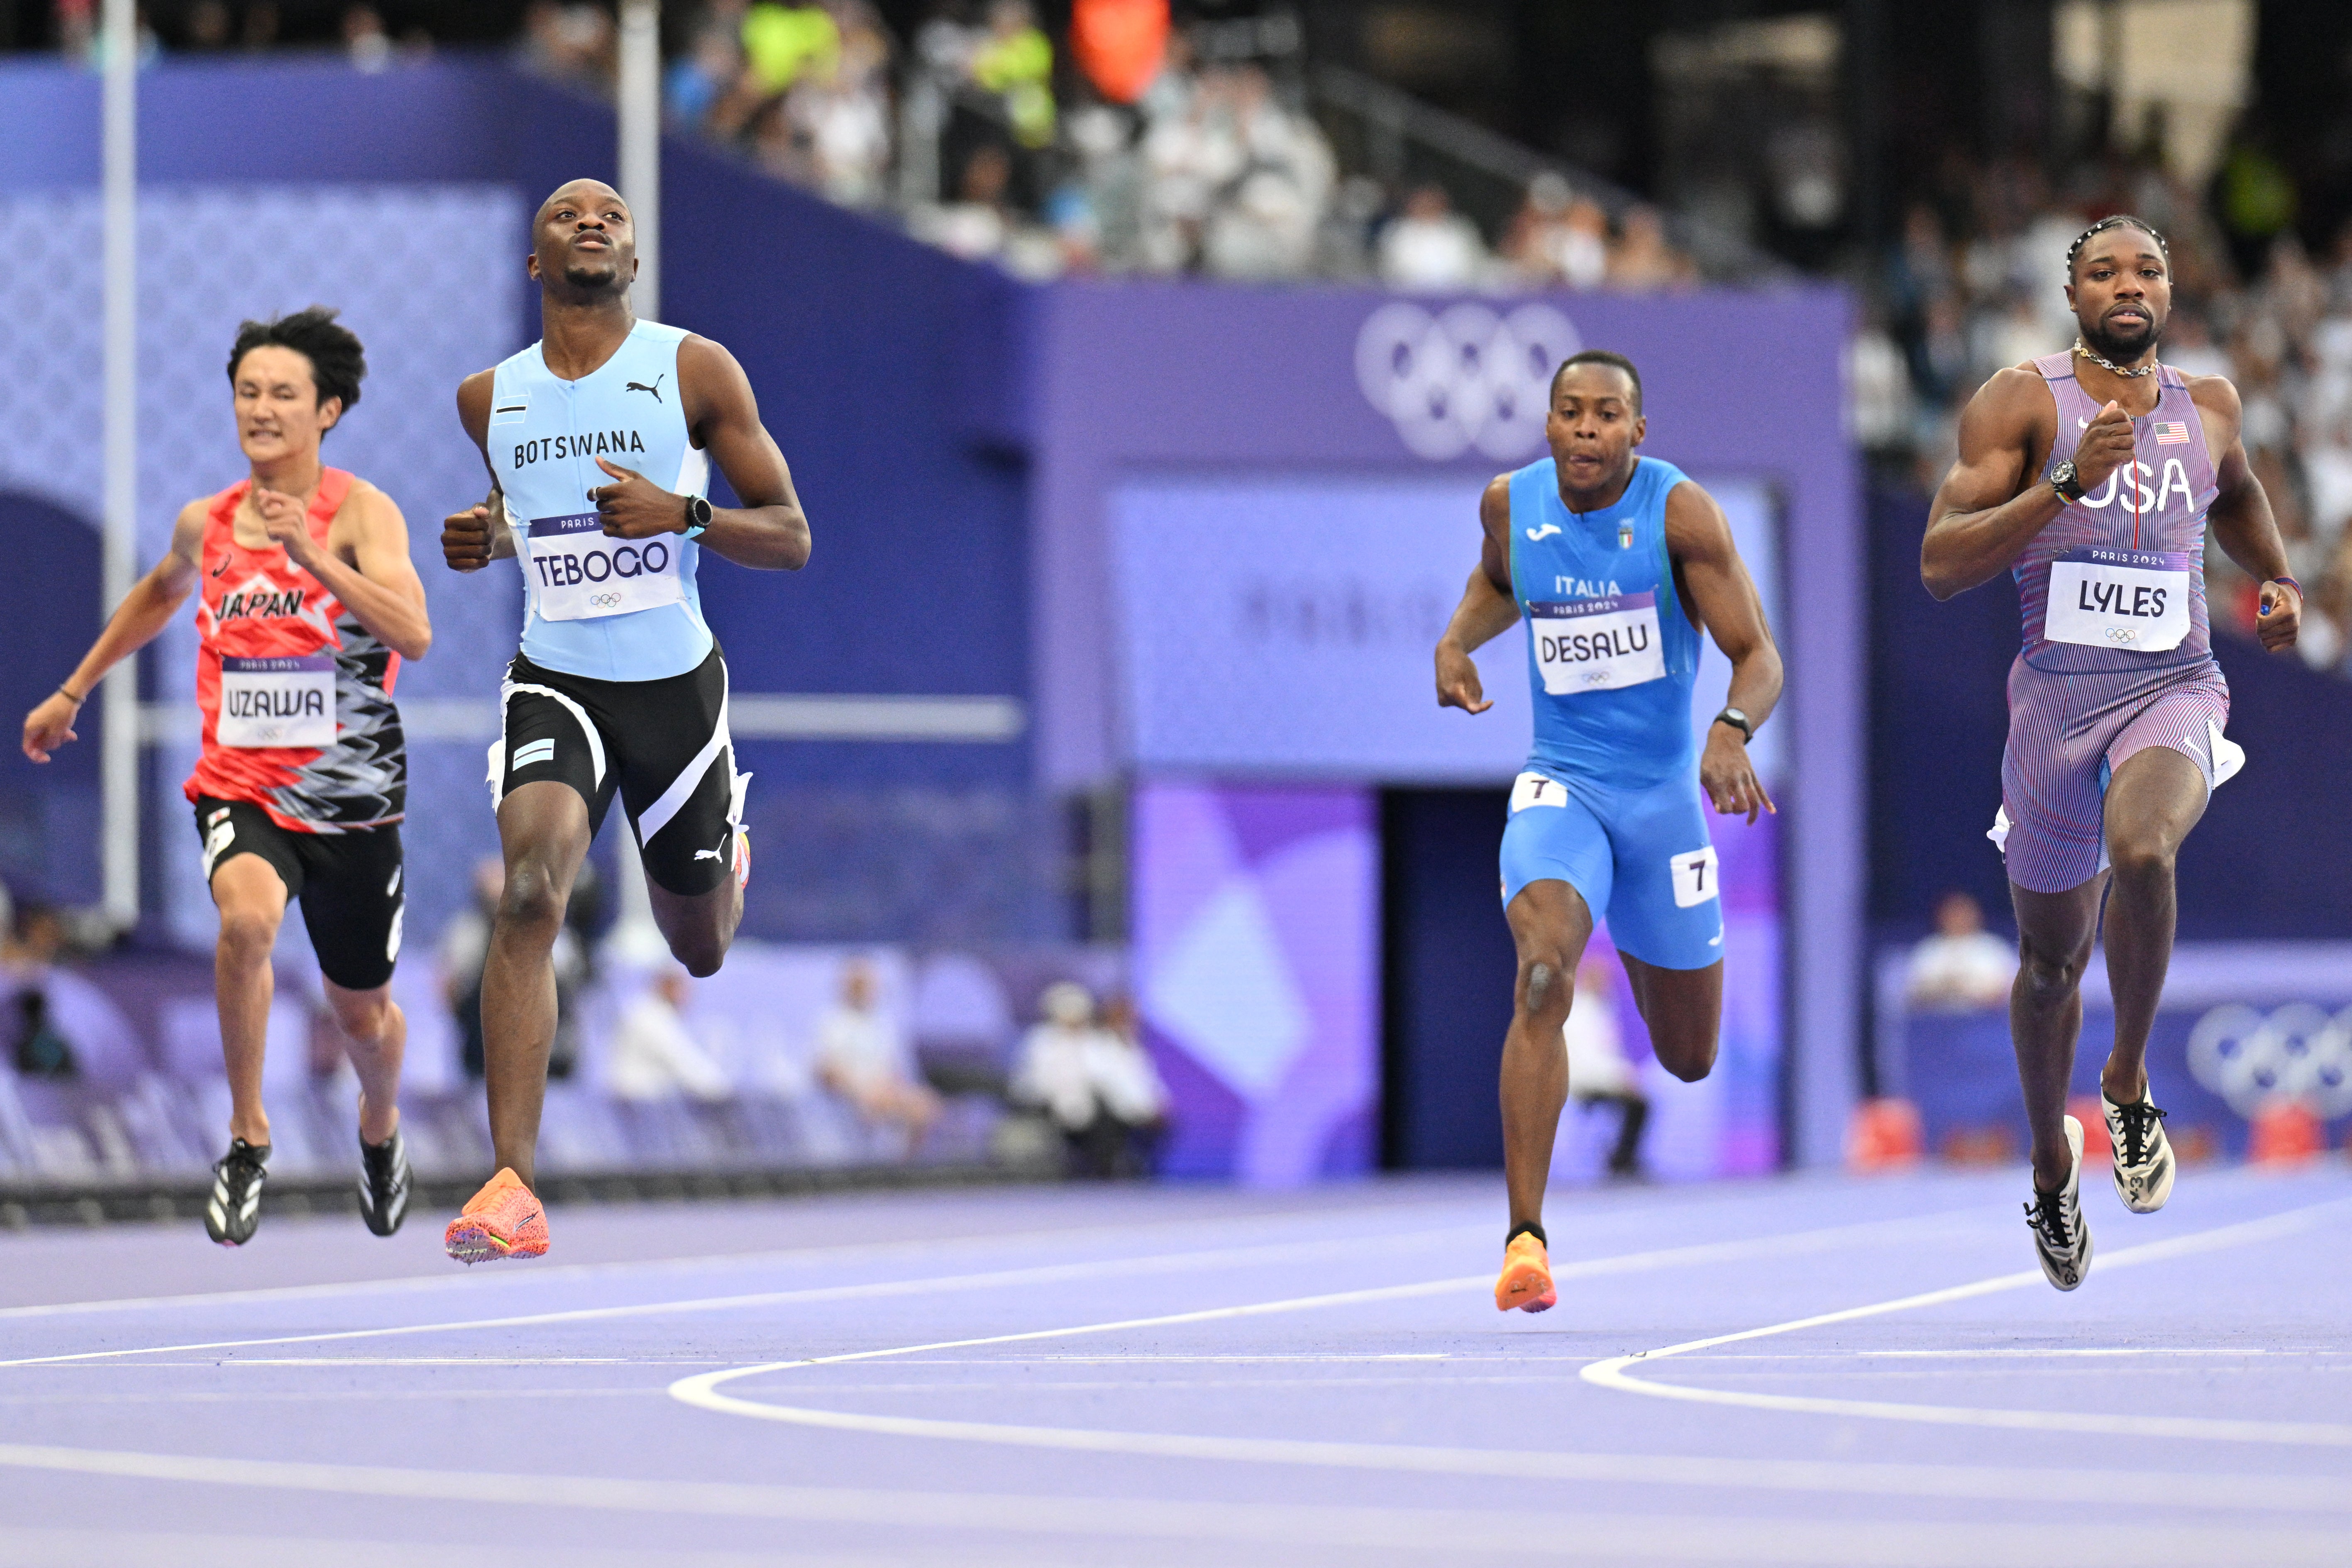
(1526, 1281)
(502, 1220)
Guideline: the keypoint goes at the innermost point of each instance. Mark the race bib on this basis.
(2133, 600)
(1694, 878)
(1534, 789)
(287, 702)
(579, 574)
(1597, 645)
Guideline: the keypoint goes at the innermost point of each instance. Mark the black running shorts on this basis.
(349, 884)
(663, 744)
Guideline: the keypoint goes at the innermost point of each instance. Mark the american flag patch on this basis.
(2171, 432)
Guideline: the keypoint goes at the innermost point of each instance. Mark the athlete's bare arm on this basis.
(365, 562)
(2241, 515)
(472, 539)
(1986, 512)
(1723, 600)
(769, 530)
(142, 616)
(1487, 608)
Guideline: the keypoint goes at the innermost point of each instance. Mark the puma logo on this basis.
(655, 389)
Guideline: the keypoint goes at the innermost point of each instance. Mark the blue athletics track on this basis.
(1799, 1371)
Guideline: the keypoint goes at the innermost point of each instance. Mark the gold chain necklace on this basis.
(2106, 364)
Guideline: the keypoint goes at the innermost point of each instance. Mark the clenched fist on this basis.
(2105, 446)
(467, 538)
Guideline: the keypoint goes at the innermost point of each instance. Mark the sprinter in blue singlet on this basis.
(1615, 561)
(600, 439)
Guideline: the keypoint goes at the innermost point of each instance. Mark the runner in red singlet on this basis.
(308, 605)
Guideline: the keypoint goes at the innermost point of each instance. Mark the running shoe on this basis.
(2143, 1155)
(384, 1182)
(1526, 1281)
(235, 1212)
(502, 1220)
(2059, 1237)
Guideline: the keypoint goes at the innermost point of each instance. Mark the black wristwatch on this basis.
(2061, 480)
(1737, 721)
(698, 517)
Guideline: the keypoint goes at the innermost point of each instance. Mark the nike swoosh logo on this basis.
(1715, 941)
(1546, 532)
(221, 568)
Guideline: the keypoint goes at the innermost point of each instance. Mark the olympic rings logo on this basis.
(2123, 634)
(2296, 1052)
(604, 599)
(1463, 377)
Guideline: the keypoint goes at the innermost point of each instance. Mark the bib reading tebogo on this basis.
(2136, 601)
(283, 701)
(580, 574)
(1597, 645)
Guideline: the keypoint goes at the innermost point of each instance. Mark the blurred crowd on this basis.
(988, 142)
(1974, 284)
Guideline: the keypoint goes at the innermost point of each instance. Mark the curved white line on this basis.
(1614, 1372)
(704, 1391)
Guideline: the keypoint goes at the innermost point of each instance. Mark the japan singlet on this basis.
(1611, 656)
(2115, 583)
(610, 609)
(296, 694)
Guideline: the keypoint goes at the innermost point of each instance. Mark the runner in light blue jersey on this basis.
(1615, 561)
(600, 439)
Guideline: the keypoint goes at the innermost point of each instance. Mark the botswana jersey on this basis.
(296, 694)
(609, 609)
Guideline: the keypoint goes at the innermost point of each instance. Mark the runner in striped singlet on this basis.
(2091, 477)
(306, 605)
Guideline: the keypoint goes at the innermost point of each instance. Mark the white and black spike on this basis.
(384, 1181)
(233, 1212)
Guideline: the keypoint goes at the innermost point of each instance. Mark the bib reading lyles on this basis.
(2136, 601)
(1597, 645)
(283, 701)
(580, 574)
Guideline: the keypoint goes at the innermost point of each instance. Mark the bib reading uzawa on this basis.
(282, 702)
(1597, 645)
(2134, 601)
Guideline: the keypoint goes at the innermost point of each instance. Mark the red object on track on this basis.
(1886, 1135)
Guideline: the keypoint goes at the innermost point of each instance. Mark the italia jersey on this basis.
(296, 694)
(1611, 656)
(606, 608)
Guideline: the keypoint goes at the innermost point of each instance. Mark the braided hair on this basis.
(2116, 220)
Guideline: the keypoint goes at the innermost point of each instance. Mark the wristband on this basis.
(69, 696)
(2289, 582)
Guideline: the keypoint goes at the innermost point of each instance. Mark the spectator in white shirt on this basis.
(1598, 1070)
(1963, 966)
(1094, 1081)
(1430, 246)
(862, 1056)
(654, 1056)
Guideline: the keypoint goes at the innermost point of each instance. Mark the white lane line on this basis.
(2078, 1351)
(444, 1278)
(704, 1391)
(1050, 1273)
(1428, 1535)
(1614, 1372)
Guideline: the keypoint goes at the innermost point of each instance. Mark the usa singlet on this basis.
(296, 694)
(608, 609)
(2119, 653)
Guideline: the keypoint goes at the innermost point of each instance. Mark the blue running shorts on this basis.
(1641, 857)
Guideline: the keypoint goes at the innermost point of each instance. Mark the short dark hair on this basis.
(2116, 220)
(1598, 356)
(338, 363)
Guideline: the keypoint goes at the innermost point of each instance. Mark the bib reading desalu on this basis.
(283, 701)
(1597, 645)
(580, 574)
(2136, 601)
